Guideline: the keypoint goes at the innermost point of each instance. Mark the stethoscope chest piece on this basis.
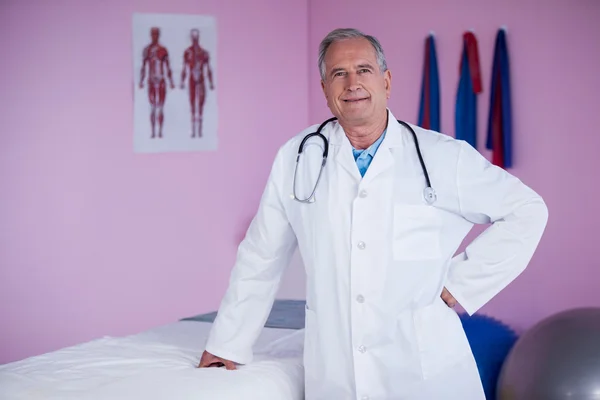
(429, 195)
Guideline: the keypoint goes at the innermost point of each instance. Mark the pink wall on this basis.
(95, 240)
(556, 96)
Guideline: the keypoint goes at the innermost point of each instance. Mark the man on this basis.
(378, 256)
(156, 60)
(196, 59)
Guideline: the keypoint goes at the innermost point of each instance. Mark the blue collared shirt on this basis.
(364, 157)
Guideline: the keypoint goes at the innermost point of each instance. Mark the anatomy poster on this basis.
(175, 78)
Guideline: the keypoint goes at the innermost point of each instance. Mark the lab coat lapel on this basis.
(381, 162)
(384, 158)
(342, 150)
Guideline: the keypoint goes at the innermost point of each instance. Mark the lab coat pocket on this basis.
(441, 338)
(417, 232)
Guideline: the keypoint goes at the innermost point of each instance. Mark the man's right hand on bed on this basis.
(211, 361)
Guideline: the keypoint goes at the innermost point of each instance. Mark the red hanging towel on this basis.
(499, 131)
(497, 139)
(469, 86)
(426, 116)
(473, 57)
(429, 105)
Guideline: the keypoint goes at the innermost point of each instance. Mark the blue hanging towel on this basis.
(469, 86)
(499, 130)
(429, 105)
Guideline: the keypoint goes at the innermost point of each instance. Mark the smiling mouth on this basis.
(355, 100)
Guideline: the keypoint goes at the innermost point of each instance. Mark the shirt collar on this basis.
(372, 149)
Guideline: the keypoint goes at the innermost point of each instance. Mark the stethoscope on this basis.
(428, 193)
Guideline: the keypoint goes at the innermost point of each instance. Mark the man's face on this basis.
(355, 89)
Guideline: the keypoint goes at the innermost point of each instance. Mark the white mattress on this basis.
(158, 364)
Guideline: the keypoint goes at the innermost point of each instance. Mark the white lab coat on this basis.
(377, 257)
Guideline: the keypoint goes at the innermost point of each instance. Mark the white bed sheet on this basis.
(158, 364)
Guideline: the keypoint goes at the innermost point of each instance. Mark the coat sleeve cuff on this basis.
(464, 303)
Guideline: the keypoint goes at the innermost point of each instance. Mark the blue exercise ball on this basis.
(491, 342)
(558, 358)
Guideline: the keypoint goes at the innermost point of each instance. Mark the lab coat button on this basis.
(363, 193)
(362, 348)
(365, 398)
(360, 299)
(361, 245)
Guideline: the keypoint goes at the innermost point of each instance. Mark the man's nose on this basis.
(353, 82)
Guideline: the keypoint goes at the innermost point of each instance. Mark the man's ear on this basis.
(388, 83)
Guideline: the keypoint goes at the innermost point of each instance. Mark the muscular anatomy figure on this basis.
(156, 60)
(196, 59)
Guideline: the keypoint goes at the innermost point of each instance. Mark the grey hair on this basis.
(348, 33)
